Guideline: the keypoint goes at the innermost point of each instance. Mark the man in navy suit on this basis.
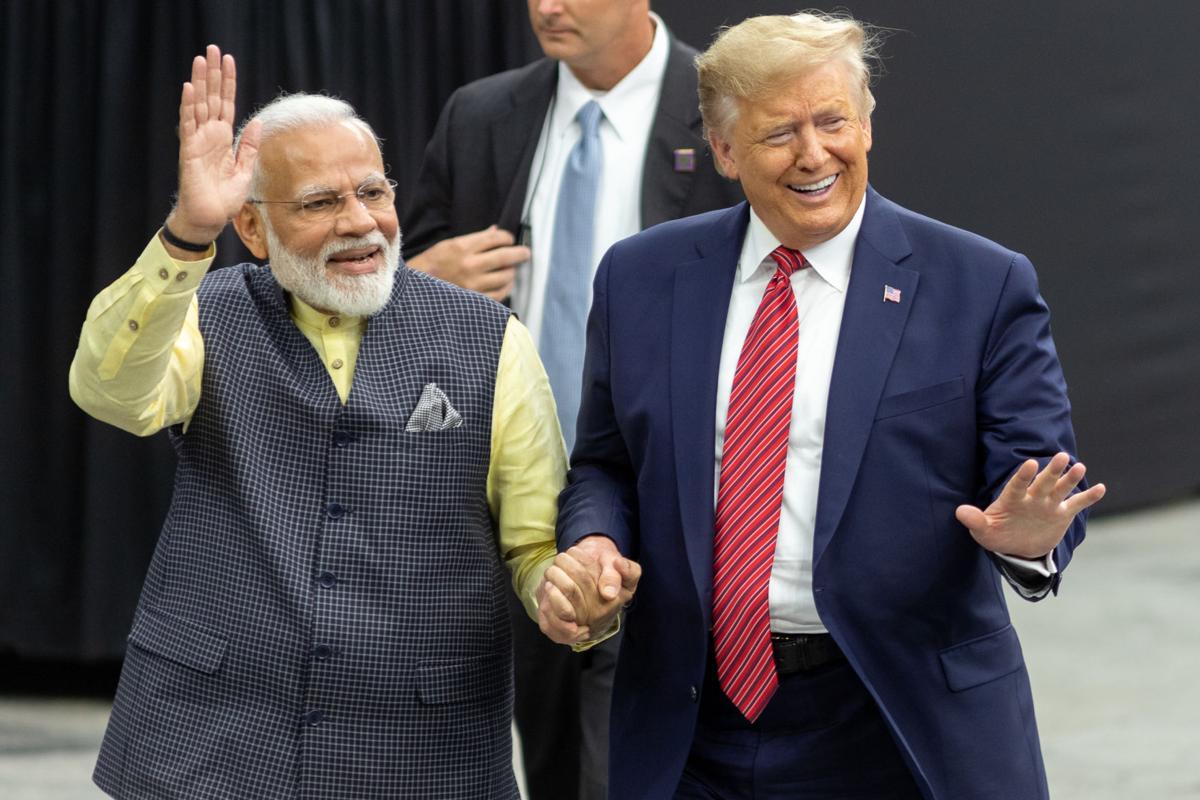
(825, 427)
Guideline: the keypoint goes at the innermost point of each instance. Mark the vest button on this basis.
(335, 510)
(341, 438)
(323, 651)
(327, 580)
(315, 717)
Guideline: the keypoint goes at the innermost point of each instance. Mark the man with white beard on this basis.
(362, 451)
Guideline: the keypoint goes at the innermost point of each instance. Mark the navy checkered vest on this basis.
(325, 613)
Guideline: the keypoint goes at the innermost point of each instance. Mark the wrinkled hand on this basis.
(484, 261)
(1033, 511)
(585, 589)
(213, 181)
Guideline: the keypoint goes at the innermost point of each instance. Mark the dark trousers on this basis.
(561, 708)
(546, 709)
(820, 738)
(595, 707)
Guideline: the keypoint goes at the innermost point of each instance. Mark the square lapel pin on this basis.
(685, 159)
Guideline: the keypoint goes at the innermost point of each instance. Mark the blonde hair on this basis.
(756, 56)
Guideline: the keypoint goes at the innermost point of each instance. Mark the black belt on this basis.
(801, 652)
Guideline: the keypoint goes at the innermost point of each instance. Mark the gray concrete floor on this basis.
(1115, 663)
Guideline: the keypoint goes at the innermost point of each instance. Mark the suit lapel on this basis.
(676, 125)
(870, 333)
(516, 138)
(700, 305)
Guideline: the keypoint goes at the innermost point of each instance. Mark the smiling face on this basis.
(800, 153)
(343, 264)
(338, 157)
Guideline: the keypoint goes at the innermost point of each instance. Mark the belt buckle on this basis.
(801, 652)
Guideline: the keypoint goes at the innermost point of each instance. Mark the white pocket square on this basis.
(434, 412)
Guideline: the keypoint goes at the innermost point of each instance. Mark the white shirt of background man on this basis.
(629, 110)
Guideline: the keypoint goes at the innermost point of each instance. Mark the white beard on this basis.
(348, 295)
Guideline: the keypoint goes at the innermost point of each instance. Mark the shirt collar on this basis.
(309, 317)
(831, 259)
(626, 105)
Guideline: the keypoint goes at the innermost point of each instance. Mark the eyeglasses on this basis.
(322, 205)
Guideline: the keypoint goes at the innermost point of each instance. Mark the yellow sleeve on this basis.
(528, 463)
(140, 354)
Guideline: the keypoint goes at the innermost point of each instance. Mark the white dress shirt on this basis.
(629, 109)
(820, 292)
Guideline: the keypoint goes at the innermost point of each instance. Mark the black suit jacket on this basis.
(477, 165)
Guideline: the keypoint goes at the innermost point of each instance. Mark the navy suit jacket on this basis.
(933, 402)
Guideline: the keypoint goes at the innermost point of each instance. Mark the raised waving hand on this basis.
(213, 180)
(1033, 511)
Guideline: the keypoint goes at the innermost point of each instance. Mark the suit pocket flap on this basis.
(459, 681)
(917, 399)
(981, 660)
(178, 640)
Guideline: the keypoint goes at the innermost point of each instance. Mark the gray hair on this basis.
(288, 112)
(757, 56)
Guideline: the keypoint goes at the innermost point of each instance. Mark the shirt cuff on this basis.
(164, 275)
(1032, 578)
(579, 647)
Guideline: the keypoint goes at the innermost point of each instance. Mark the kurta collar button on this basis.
(182, 276)
(335, 321)
(133, 325)
(337, 363)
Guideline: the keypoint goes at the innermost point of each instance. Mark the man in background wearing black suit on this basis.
(489, 203)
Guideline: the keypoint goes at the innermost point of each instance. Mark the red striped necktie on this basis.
(750, 496)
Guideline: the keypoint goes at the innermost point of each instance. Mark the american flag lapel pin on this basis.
(685, 159)
(891, 294)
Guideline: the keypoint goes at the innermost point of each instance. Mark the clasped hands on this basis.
(585, 589)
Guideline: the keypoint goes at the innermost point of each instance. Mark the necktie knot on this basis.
(589, 117)
(789, 261)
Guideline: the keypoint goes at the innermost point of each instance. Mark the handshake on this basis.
(584, 590)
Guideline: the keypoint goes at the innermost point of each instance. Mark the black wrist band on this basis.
(172, 239)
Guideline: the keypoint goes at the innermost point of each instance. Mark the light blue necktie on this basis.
(564, 314)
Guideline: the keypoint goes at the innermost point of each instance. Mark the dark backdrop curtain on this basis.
(1062, 129)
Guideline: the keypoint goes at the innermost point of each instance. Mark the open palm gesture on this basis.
(213, 180)
(1033, 511)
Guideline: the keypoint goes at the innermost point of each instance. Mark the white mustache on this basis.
(373, 239)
